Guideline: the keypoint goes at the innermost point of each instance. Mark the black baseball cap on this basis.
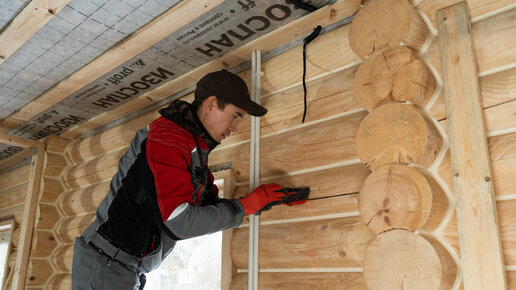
(229, 87)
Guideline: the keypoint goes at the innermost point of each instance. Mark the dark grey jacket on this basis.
(162, 192)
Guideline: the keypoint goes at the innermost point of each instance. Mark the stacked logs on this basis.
(399, 200)
(41, 268)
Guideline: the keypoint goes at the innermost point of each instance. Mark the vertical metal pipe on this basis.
(254, 172)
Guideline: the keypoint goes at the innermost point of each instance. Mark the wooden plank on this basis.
(60, 281)
(34, 16)
(93, 171)
(332, 191)
(39, 271)
(296, 281)
(493, 44)
(13, 196)
(46, 217)
(15, 211)
(503, 161)
(17, 141)
(476, 7)
(56, 144)
(480, 244)
(71, 227)
(84, 200)
(168, 22)
(300, 148)
(18, 157)
(313, 210)
(51, 190)
(333, 243)
(507, 218)
(317, 62)
(43, 244)
(496, 89)
(326, 96)
(504, 178)
(507, 221)
(110, 140)
(498, 119)
(63, 258)
(15, 177)
(227, 269)
(54, 165)
(27, 225)
(511, 279)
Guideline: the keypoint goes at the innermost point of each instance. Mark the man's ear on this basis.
(211, 103)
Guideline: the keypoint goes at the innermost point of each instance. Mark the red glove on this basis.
(267, 195)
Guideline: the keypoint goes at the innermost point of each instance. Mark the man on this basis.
(163, 191)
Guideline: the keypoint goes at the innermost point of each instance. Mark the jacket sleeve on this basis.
(193, 221)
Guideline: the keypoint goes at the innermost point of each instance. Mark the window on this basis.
(193, 264)
(5, 239)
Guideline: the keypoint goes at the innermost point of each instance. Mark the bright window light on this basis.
(5, 238)
(193, 264)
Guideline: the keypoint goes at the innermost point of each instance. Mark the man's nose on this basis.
(233, 126)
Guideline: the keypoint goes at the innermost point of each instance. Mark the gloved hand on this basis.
(267, 195)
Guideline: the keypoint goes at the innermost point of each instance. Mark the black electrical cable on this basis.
(306, 41)
(304, 6)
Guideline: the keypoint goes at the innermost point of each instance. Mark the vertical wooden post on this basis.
(480, 245)
(227, 236)
(29, 210)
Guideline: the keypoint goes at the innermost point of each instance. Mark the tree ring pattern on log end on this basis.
(395, 196)
(400, 259)
(396, 133)
(393, 74)
(386, 23)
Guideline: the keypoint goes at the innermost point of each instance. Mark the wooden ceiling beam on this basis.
(168, 22)
(34, 16)
(324, 16)
(18, 141)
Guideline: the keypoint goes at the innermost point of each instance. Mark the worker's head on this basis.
(221, 99)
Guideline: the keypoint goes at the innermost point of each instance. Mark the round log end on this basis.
(396, 133)
(60, 281)
(393, 74)
(386, 23)
(395, 196)
(38, 273)
(400, 259)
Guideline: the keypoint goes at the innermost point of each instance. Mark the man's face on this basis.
(220, 123)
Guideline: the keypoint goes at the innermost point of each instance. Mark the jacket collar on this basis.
(182, 113)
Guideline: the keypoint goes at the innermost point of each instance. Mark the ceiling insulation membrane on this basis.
(85, 29)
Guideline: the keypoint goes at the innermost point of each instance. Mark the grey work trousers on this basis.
(93, 270)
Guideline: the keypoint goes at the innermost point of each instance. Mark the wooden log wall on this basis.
(13, 188)
(397, 201)
(322, 244)
(45, 242)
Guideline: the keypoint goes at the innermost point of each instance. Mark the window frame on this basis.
(10, 223)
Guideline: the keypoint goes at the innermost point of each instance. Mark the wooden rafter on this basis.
(29, 210)
(162, 26)
(34, 16)
(480, 243)
(14, 159)
(303, 26)
(156, 30)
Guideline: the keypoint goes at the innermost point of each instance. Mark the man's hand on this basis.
(267, 195)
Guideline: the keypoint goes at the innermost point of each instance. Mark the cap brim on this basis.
(250, 107)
